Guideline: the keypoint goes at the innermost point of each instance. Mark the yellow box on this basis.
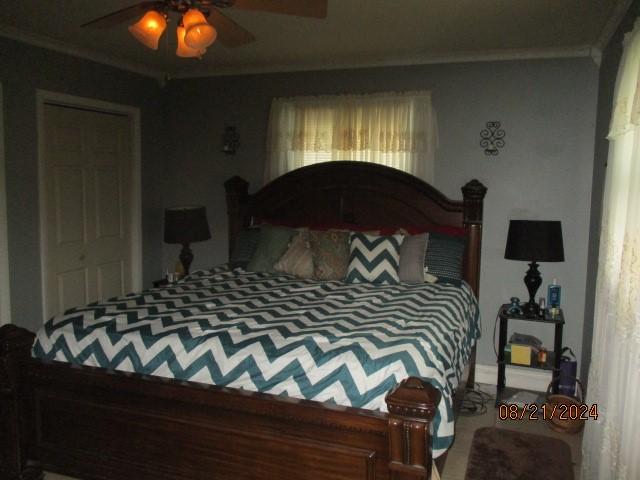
(520, 354)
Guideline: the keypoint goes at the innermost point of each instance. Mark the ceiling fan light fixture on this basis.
(198, 33)
(149, 29)
(183, 49)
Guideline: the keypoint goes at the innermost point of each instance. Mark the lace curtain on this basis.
(611, 445)
(394, 129)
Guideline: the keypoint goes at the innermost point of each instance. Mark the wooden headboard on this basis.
(358, 193)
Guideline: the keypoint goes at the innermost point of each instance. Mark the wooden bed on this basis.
(92, 423)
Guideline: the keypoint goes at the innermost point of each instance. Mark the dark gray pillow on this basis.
(271, 246)
(445, 254)
(245, 247)
(412, 254)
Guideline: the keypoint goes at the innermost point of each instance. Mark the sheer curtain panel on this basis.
(394, 129)
(611, 444)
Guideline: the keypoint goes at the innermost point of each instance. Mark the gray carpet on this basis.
(500, 454)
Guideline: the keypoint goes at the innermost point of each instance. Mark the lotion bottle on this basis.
(553, 294)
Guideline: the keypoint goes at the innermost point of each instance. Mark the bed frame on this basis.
(92, 423)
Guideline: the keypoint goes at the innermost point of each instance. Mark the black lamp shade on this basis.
(186, 225)
(535, 240)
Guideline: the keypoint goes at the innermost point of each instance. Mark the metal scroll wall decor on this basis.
(230, 140)
(492, 138)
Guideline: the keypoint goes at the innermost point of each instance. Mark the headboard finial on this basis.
(473, 193)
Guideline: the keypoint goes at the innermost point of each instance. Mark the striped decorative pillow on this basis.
(445, 255)
(374, 258)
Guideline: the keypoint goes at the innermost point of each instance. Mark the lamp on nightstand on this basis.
(534, 241)
(186, 225)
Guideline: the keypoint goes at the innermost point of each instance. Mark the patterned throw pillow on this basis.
(245, 247)
(330, 252)
(374, 258)
(297, 260)
(445, 254)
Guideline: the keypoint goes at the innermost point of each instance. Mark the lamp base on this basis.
(531, 309)
(532, 280)
(186, 257)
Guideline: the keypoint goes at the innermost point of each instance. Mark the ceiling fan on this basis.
(194, 32)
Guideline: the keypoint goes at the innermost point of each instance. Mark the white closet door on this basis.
(87, 161)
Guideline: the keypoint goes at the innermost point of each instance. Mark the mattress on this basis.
(347, 344)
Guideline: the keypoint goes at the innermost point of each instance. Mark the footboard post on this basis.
(412, 406)
(16, 424)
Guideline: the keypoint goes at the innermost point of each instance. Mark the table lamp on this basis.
(534, 241)
(186, 225)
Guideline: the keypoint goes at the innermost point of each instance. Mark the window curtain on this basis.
(611, 444)
(394, 129)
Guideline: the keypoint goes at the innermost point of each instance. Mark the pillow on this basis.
(412, 254)
(245, 247)
(374, 258)
(272, 244)
(297, 260)
(330, 251)
(445, 254)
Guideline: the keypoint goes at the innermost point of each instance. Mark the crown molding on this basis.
(485, 56)
(611, 25)
(81, 52)
(426, 59)
(616, 16)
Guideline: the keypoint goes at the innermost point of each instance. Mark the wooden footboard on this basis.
(92, 424)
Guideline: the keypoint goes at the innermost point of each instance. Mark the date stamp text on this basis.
(547, 411)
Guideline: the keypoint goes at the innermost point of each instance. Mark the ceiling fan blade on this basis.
(122, 15)
(301, 8)
(230, 33)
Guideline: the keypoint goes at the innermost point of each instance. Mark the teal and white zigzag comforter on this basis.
(324, 341)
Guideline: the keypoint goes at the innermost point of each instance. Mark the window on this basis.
(394, 129)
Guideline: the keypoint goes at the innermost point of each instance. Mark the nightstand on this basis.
(553, 359)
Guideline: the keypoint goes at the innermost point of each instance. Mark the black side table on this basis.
(553, 360)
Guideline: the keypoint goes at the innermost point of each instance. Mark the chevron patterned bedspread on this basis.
(324, 341)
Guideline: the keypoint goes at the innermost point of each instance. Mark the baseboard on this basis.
(516, 377)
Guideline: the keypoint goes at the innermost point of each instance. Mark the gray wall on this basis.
(547, 108)
(23, 69)
(607, 82)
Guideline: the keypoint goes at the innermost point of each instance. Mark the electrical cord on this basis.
(495, 325)
(475, 402)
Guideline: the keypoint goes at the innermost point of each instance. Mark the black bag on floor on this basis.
(568, 373)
